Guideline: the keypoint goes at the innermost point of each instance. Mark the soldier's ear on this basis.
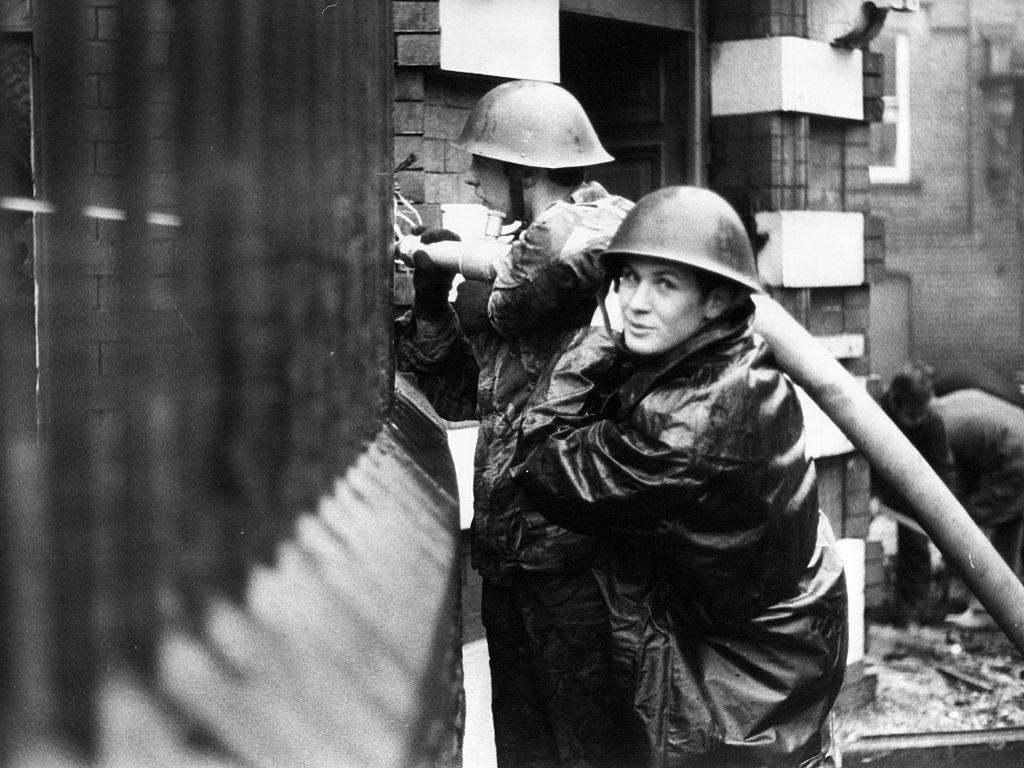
(530, 176)
(720, 300)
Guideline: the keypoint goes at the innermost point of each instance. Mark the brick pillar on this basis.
(806, 167)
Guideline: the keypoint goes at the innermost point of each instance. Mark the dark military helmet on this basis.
(531, 122)
(691, 226)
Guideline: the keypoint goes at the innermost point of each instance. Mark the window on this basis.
(890, 139)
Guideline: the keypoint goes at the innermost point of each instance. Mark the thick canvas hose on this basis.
(936, 509)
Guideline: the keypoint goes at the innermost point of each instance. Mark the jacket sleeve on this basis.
(551, 274)
(588, 473)
(994, 497)
(440, 359)
(940, 457)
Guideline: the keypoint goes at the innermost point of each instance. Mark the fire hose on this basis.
(892, 455)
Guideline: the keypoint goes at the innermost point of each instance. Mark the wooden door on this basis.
(634, 82)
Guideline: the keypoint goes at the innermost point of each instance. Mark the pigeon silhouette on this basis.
(869, 23)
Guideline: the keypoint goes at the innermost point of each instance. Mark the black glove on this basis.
(471, 306)
(428, 235)
(430, 283)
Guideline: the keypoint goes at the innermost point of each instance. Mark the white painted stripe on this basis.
(100, 212)
(32, 205)
(26, 204)
(163, 219)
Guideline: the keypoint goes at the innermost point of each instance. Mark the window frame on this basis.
(899, 171)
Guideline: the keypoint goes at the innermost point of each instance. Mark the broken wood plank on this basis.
(971, 681)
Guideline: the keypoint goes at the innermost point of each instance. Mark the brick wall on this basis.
(417, 28)
(759, 162)
(430, 109)
(749, 19)
(431, 106)
(251, 317)
(94, 282)
(955, 236)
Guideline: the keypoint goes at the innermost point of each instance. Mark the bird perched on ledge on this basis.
(869, 22)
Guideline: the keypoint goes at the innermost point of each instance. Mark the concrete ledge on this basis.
(503, 38)
(844, 346)
(823, 437)
(811, 249)
(786, 74)
(852, 553)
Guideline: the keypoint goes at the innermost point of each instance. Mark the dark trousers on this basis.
(547, 636)
(913, 571)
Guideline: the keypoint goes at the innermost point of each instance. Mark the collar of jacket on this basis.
(714, 344)
(587, 192)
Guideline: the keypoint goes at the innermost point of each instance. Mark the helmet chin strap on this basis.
(515, 175)
(602, 296)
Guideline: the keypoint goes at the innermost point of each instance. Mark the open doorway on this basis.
(636, 85)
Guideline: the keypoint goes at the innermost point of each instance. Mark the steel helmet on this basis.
(691, 226)
(531, 122)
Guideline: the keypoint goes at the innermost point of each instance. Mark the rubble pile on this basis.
(938, 678)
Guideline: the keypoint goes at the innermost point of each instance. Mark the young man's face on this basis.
(662, 304)
(490, 184)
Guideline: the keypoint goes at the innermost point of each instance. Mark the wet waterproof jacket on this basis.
(726, 595)
(545, 289)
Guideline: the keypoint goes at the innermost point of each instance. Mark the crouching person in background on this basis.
(909, 402)
(681, 447)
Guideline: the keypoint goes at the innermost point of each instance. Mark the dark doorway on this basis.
(633, 82)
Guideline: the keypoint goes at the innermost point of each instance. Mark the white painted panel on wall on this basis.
(811, 249)
(844, 346)
(823, 437)
(503, 38)
(462, 444)
(786, 74)
(853, 552)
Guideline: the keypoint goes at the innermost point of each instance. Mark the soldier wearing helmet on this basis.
(531, 143)
(680, 446)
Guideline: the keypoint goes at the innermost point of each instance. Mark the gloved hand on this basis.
(428, 235)
(471, 306)
(431, 284)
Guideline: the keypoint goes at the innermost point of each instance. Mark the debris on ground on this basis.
(937, 678)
